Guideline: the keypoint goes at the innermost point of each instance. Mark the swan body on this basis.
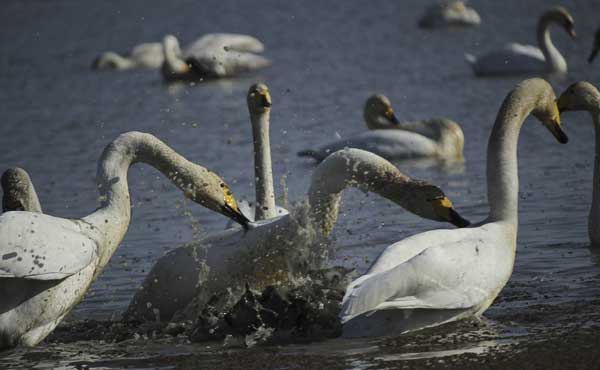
(277, 250)
(18, 192)
(453, 13)
(392, 139)
(147, 55)
(212, 56)
(48, 263)
(515, 59)
(585, 96)
(444, 275)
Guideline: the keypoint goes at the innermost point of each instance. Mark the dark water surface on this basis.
(57, 116)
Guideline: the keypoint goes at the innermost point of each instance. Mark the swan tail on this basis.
(470, 58)
(310, 153)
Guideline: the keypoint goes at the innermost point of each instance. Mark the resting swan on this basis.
(216, 56)
(276, 251)
(148, 55)
(438, 138)
(452, 13)
(18, 193)
(48, 263)
(584, 96)
(525, 59)
(444, 275)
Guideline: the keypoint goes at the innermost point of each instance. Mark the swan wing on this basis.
(224, 41)
(443, 274)
(512, 58)
(42, 247)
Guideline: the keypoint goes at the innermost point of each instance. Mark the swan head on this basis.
(545, 108)
(581, 95)
(259, 99)
(206, 188)
(428, 201)
(562, 17)
(18, 191)
(596, 46)
(378, 112)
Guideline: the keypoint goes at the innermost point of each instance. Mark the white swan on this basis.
(275, 251)
(18, 192)
(452, 13)
(584, 96)
(595, 47)
(526, 59)
(444, 275)
(48, 263)
(213, 56)
(148, 55)
(435, 138)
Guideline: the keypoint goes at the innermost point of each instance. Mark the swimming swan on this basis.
(156, 293)
(18, 193)
(274, 251)
(526, 59)
(445, 275)
(148, 55)
(388, 137)
(48, 263)
(452, 13)
(595, 47)
(213, 56)
(584, 96)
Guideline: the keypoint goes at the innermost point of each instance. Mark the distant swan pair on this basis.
(214, 55)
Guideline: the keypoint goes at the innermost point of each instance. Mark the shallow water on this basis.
(327, 58)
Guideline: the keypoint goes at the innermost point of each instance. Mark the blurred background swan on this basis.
(49, 262)
(213, 56)
(18, 192)
(451, 13)
(392, 139)
(443, 275)
(583, 96)
(518, 59)
(148, 55)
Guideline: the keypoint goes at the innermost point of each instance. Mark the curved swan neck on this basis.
(502, 167)
(594, 217)
(173, 62)
(350, 168)
(555, 62)
(112, 218)
(265, 193)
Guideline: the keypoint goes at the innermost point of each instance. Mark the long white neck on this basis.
(173, 62)
(109, 223)
(502, 167)
(555, 62)
(594, 217)
(349, 168)
(263, 172)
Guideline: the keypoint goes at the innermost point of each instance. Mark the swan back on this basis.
(378, 113)
(18, 192)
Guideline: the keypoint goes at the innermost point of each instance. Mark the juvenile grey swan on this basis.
(213, 56)
(18, 192)
(515, 59)
(392, 139)
(583, 96)
(48, 263)
(450, 13)
(443, 275)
